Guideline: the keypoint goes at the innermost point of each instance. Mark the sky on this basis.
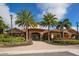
(61, 10)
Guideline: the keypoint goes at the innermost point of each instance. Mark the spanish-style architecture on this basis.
(15, 32)
(41, 34)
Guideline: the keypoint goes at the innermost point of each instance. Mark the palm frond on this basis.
(25, 19)
(48, 20)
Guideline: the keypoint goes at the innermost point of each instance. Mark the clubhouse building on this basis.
(41, 34)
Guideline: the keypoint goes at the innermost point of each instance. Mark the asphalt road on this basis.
(43, 54)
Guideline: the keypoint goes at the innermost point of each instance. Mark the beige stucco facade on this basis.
(41, 34)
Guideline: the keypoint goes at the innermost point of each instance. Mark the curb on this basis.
(32, 51)
(73, 51)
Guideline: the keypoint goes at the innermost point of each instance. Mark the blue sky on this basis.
(73, 13)
(62, 11)
(29, 6)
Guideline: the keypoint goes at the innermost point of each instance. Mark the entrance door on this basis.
(36, 36)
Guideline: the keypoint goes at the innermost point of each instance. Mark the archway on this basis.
(35, 36)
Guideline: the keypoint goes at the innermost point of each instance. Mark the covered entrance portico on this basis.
(36, 36)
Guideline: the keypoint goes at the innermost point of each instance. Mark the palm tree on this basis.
(26, 20)
(3, 26)
(48, 21)
(66, 23)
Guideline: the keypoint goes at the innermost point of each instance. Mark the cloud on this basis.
(59, 9)
(5, 13)
(73, 27)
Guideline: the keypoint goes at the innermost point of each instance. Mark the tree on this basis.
(48, 21)
(66, 23)
(26, 20)
(3, 26)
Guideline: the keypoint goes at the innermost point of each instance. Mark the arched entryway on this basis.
(35, 36)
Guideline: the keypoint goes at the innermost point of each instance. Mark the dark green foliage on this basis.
(7, 40)
(25, 19)
(48, 20)
(2, 24)
(66, 42)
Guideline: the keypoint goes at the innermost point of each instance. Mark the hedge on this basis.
(66, 42)
(6, 40)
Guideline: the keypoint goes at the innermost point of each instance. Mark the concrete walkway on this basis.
(40, 47)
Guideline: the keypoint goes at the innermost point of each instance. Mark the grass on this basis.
(6, 40)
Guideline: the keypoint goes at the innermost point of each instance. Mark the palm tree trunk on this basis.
(26, 34)
(49, 33)
(29, 39)
(62, 34)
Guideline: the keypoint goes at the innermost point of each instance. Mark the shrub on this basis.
(66, 41)
(11, 40)
(1, 35)
(7, 38)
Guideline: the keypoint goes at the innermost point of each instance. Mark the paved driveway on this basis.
(37, 45)
(40, 47)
